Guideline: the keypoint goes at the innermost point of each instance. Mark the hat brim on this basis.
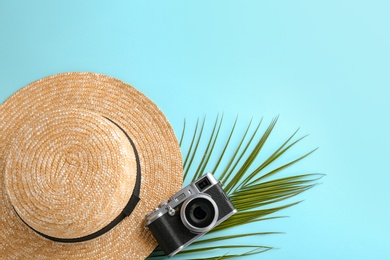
(154, 138)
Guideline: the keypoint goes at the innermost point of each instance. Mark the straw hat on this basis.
(78, 153)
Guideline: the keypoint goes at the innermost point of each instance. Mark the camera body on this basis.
(189, 214)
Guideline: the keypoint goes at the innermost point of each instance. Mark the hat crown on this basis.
(69, 173)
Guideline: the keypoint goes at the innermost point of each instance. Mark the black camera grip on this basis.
(170, 232)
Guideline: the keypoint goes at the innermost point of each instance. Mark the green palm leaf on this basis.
(252, 185)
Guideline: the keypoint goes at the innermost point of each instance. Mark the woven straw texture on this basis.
(68, 171)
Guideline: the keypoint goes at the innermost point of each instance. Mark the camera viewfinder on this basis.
(203, 183)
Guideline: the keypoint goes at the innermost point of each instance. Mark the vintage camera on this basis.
(189, 214)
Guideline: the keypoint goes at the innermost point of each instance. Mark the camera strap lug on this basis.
(171, 211)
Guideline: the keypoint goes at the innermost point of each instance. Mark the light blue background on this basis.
(322, 66)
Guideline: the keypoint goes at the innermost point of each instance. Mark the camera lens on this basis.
(199, 214)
